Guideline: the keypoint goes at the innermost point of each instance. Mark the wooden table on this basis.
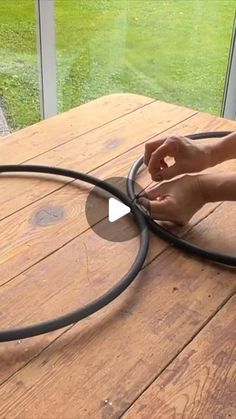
(166, 347)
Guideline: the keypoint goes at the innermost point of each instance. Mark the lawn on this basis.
(173, 50)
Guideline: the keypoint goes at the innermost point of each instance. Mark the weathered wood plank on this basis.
(120, 360)
(45, 135)
(26, 242)
(222, 236)
(116, 353)
(41, 281)
(90, 151)
(54, 220)
(200, 382)
(105, 143)
(73, 276)
(17, 192)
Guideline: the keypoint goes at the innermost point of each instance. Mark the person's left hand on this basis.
(175, 201)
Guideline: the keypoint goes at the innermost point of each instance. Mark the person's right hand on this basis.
(176, 200)
(190, 156)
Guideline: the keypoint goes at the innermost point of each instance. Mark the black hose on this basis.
(168, 235)
(128, 278)
(141, 218)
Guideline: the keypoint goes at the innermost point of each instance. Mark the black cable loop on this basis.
(114, 292)
(168, 235)
(141, 218)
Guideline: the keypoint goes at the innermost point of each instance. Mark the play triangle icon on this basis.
(116, 209)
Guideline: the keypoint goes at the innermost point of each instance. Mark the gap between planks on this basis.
(127, 413)
(48, 345)
(66, 183)
(72, 238)
(55, 129)
(188, 342)
(146, 265)
(77, 137)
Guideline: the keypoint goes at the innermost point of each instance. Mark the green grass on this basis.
(173, 50)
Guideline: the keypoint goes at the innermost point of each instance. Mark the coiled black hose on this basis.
(142, 219)
(168, 235)
(128, 278)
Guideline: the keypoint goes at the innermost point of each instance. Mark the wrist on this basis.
(218, 187)
(200, 189)
(215, 153)
(220, 150)
(209, 155)
(211, 187)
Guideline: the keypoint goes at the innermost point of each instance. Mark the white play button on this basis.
(116, 209)
(107, 215)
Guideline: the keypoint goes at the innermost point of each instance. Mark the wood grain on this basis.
(88, 151)
(45, 135)
(28, 241)
(31, 234)
(172, 299)
(18, 192)
(201, 381)
(116, 353)
(100, 366)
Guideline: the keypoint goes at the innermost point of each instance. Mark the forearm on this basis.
(218, 187)
(222, 149)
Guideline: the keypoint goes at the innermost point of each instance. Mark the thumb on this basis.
(167, 173)
(158, 209)
(155, 193)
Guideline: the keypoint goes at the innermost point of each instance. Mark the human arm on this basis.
(189, 155)
(178, 200)
(222, 149)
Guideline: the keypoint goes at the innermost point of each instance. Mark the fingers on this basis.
(157, 158)
(150, 147)
(167, 173)
(156, 192)
(163, 164)
(158, 209)
(162, 210)
(155, 155)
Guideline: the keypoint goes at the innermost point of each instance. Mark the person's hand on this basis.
(175, 201)
(190, 156)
